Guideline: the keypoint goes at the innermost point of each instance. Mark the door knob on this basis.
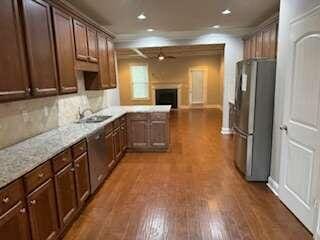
(284, 128)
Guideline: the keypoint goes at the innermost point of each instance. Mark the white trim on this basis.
(205, 84)
(201, 106)
(131, 82)
(226, 131)
(273, 185)
(156, 85)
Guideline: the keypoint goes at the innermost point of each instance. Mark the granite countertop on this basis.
(19, 159)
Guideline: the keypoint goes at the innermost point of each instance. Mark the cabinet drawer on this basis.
(108, 128)
(38, 176)
(158, 116)
(10, 195)
(61, 160)
(79, 148)
(139, 116)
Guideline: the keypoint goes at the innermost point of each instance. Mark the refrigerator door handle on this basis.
(241, 133)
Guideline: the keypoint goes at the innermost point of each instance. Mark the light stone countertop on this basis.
(19, 159)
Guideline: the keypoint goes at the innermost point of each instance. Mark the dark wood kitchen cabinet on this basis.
(14, 82)
(82, 178)
(64, 41)
(40, 47)
(14, 224)
(92, 45)
(110, 150)
(112, 64)
(66, 194)
(104, 69)
(159, 130)
(43, 212)
(138, 130)
(80, 38)
(123, 136)
(117, 143)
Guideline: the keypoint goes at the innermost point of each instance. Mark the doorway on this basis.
(198, 85)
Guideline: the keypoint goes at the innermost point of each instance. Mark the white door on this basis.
(197, 86)
(301, 124)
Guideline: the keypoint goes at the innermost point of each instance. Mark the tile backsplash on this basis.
(23, 119)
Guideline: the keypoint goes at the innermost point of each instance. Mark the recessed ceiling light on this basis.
(226, 12)
(216, 26)
(142, 16)
(150, 29)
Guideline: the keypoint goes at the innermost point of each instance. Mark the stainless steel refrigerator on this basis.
(254, 104)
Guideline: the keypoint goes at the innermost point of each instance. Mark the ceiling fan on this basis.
(161, 56)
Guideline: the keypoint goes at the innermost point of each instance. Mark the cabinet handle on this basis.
(77, 165)
(33, 202)
(5, 199)
(100, 178)
(64, 159)
(28, 90)
(22, 210)
(41, 175)
(81, 148)
(72, 169)
(111, 164)
(97, 137)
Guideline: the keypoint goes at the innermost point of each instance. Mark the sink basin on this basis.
(94, 119)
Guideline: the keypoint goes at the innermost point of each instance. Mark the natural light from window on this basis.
(139, 81)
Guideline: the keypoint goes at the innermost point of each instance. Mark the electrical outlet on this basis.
(25, 116)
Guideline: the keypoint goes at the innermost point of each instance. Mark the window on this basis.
(139, 81)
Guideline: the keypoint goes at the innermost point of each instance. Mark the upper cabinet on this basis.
(43, 43)
(92, 45)
(14, 82)
(40, 47)
(65, 51)
(112, 65)
(80, 35)
(263, 44)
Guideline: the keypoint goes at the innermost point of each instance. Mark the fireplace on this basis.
(167, 97)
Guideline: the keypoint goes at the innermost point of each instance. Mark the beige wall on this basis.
(173, 71)
(23, 119)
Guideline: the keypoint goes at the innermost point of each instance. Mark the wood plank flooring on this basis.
(191, 192)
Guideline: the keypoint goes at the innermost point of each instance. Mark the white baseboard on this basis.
(273, 185)
(226, 131)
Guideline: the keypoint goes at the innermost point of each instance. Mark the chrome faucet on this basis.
(82, 113)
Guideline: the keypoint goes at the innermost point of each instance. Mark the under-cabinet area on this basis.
(44, 43)
(48, 179)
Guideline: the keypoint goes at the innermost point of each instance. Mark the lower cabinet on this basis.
(43, 212)
(82, 179)
(66, 194)
(110, 151)
(148, 131)
(123, 138)
(14, 224)
(117, 144)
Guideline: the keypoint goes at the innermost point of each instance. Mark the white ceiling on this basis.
(167, 16)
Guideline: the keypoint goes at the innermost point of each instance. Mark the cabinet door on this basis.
(13, 71)
(259, 45)
(110, 150)
(266, 43)
(14, 224)
(123, 137)
(43, 212)
(159, 134)
(112, 65)
(253, 47)
(117, 144)
(80, 38)
(273, 41)
(40, 46)
(82, 178)
(104, 73)
(65, 51)
(92, 45)
(66, 194)
(138, 133)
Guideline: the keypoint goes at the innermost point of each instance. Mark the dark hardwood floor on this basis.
(191, 192)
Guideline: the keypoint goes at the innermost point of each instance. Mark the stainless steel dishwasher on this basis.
(97, 159)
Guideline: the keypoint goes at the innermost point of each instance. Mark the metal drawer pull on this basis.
(41, 175)
(77, 165)
(6, 200)
(72, 169)
(33, 202)
(64, 159)
(28, 90)
(111, 164)
(22, 210)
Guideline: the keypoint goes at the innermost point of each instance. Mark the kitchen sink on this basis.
(94, 119)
